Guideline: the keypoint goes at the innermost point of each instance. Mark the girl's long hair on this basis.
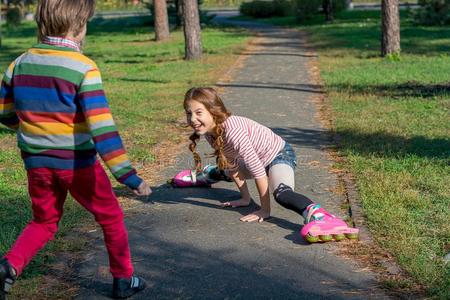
(212, 102)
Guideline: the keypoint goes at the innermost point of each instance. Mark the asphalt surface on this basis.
(187, 247)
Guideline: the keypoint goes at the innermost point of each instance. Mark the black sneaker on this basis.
(214, 173)
(127, 287)
(7, 278)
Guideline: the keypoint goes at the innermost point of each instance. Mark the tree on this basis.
(161, 20)
(390, 27)
(179, 13)
(192, 32)
(332, 7)
(327, 6)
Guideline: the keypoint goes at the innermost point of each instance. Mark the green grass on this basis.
(393, 117)
(144, 81)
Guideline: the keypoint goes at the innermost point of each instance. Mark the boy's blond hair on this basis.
(58, 17)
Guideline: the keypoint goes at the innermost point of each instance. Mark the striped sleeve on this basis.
(8, 116)
(103, 129)
(240, 141)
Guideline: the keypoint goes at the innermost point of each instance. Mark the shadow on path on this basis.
(181, 270)
(309, 88)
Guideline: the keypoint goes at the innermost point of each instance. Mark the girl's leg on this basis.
(320, 225)
(48, 194)
(282, 182)
(92, 189)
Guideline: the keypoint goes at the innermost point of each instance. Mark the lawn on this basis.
(145, 82)
(392, 116)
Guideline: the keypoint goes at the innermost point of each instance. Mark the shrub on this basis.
(433, 12)
(266, 9)
(331, 7)
(282, 8)
(306, 9)
(14, 16)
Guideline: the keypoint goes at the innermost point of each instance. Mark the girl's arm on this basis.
(239, 180)
(262, 184)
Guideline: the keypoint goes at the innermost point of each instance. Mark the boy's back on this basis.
(61, 108)
(52, 95)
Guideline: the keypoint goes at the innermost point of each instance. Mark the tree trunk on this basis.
(161, 20)
(192, 32)
(179, 9)
(390, 27)
(327, 6)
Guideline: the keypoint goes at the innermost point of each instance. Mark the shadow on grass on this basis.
(7, 131)
(124, 61)
(129, 25)
(26, 30)
(407, 89)
(379, 144)
(122, 25)
(144, 80)
(360, 30)
(415, 40)
(8, 55)
(386, 145)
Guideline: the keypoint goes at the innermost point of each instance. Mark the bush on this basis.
(266, 9)
(433, 12)
(306, 9)
(331, 7)
(283, 8)
(14, 16)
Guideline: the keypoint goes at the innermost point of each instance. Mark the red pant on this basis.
(92, 189)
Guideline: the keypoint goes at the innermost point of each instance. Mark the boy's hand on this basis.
(143, 189)
(258, 215)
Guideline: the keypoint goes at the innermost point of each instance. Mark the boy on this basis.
(52, 95)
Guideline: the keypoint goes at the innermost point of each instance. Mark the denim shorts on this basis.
(285, 156)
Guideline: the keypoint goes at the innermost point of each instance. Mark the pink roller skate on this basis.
(320, 225)
(187, 178)
(191, 178)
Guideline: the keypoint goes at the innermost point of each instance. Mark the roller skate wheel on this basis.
(311, 239)
(339, 237)
(352, 236)
(325, 237)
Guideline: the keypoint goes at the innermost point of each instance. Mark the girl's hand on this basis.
(236, 203)
(258, 215)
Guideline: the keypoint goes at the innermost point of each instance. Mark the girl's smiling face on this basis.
(199, 118)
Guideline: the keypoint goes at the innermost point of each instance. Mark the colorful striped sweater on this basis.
(52, 96)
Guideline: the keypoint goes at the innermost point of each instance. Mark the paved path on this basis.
(187, 247)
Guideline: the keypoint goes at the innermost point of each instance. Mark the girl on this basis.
(247, 149)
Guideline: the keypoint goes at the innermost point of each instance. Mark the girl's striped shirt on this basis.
(250, 143)
(53, 97)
